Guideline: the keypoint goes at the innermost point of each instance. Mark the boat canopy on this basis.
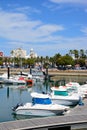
(45, 101)
(39, 95)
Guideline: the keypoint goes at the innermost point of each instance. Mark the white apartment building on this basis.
(19, 53)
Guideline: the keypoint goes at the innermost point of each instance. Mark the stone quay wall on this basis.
(54, 72)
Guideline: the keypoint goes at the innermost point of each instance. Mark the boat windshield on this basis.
(61, 93)
(41, 101)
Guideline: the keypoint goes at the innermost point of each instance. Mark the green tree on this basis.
(80, 61)
(65, 60)
(1, 60)
(31, 61)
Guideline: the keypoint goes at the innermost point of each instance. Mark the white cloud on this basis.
(22, 31)
(61, 45)
(84, 30)
(70, 1)
(18, 27)
(54, 45)
(48, 29)
(27, 9)
(51, 6)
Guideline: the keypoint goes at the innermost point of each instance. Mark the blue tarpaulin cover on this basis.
(41, 101)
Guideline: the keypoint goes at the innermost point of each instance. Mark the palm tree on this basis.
(71, 52)
(76, 53)
(82, 53)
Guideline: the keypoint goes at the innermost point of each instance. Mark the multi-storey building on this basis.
(20, 53)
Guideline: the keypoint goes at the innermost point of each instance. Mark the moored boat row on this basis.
(57, 102)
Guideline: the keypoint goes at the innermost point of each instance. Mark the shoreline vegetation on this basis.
(54, 72)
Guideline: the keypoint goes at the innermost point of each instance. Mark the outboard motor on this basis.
(15, 107)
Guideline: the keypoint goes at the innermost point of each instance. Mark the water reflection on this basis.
(80, 79)
(20, 117)
(7, 92)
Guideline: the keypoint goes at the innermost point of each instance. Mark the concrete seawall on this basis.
(50, 71)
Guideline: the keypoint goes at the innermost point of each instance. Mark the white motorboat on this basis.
(3, 76)
(15, 80)
(83, 90)
(60, 95)
(37, 75)
(72, 86)
(76, 87)
(41, 106)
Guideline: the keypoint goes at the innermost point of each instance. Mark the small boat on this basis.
(60, 95)
(17, 80)
(76, 87)
(41, 106)
(72, 86)
(83, 90)
(13, 80)
(36, 74)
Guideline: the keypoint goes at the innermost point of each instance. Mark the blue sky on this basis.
(47, 26)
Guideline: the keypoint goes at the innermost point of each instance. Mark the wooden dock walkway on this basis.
(76, 118)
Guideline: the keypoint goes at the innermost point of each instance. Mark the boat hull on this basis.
(67, 101)
(40, 110)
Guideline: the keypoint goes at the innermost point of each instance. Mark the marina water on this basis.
(10, 95)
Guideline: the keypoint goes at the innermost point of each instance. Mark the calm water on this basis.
(11, 95)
